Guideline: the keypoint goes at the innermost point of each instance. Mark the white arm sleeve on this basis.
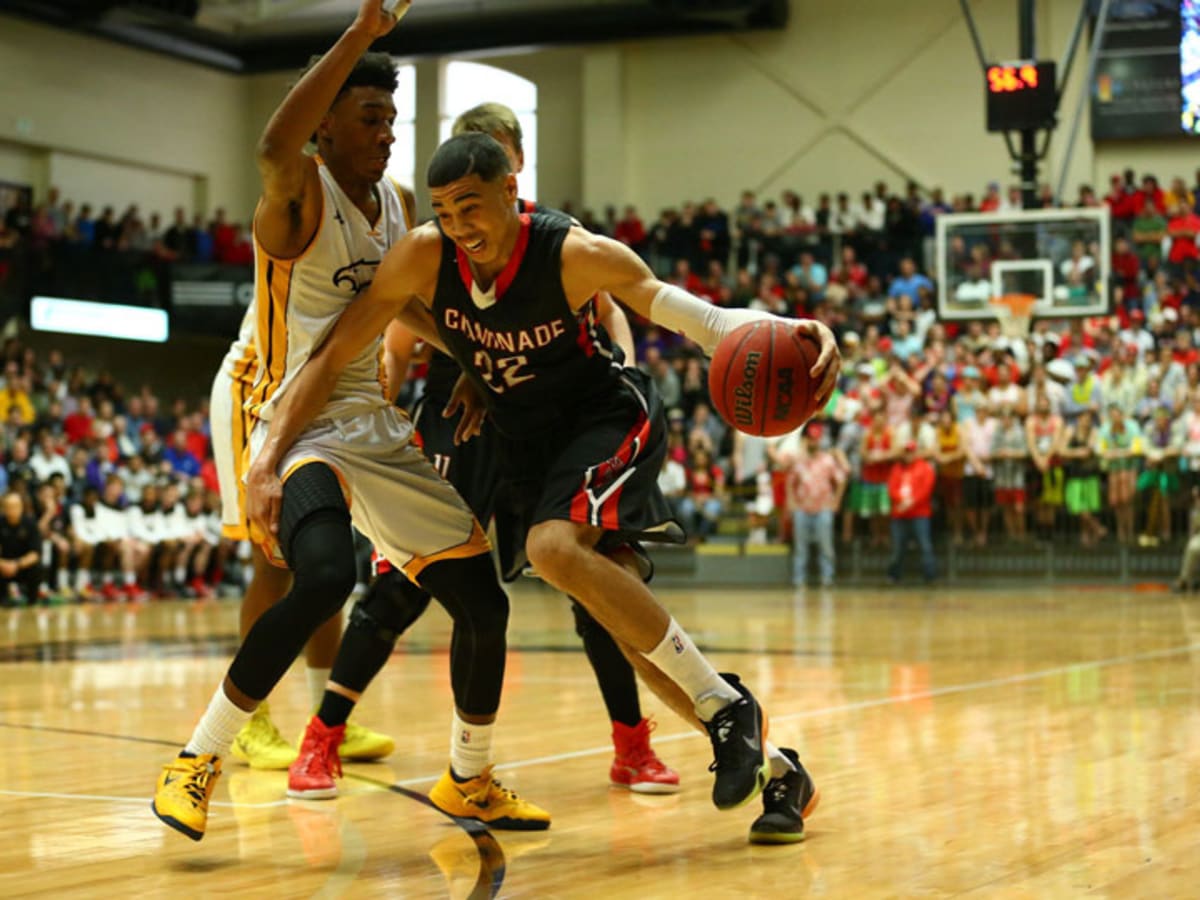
(704, 323)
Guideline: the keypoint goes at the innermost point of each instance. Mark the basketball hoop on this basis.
(1014, 312)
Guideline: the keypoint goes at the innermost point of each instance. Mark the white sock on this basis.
(470, 747)
(218, 726)
(316, 684)
(180, 574)
(780, 764)
(64, 579)
(130, 579)
(677, 658)
(83, 579)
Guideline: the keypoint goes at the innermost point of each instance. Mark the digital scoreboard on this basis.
(1021, 95)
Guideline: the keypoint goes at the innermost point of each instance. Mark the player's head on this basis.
(355, 134)
(501, 123)
(474, 194)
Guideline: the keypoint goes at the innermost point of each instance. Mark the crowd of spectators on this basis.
(58, 248)
(106, 494)
(1089, 427)
(57, 222)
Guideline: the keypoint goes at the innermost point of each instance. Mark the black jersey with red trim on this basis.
(532, 357)
(443, 371)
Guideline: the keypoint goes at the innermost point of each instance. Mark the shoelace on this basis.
(319, 753)
(722, 726)
(490, 786)
(195, 781)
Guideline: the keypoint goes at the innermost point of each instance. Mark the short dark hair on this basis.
(376, 70)
(470, 153)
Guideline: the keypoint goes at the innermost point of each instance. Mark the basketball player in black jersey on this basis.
(472, 468)
(581, 437)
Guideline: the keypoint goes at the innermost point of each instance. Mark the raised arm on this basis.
(592, 263)
(287, 215)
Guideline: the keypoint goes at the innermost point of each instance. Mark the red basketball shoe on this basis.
(636, 767)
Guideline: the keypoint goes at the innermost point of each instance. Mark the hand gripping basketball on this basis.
(770, 376)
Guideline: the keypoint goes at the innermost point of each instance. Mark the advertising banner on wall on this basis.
(1136, 92)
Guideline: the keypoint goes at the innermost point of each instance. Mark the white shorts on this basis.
(230, 425)
(397, 499)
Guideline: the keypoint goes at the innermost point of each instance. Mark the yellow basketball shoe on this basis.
(260, 745)
(184, 789)
(483, 799)
(362, 744)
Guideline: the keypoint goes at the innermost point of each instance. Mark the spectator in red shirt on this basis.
(910, 489)
(701, 507)
(222, 233)
(239, 252)
(1182, 227)
(851, 271)
(78, 425)
(630, 231)
(1121, 200)
(1125, 267)
(196, 440)
(684, 277)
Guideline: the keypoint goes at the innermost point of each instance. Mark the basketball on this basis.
(759, 378)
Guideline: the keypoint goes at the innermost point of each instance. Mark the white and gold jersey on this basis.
(298, 300)
(241, 360)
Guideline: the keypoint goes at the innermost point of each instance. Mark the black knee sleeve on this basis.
(320, 549)
(392, 603)
(470, 592)
(313, 489)
(614, 673)
(390, 606)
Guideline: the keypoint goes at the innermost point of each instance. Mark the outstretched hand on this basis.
(828, 367)
(376, 21)
(467, 398)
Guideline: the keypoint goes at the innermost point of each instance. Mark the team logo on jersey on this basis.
(357, 276)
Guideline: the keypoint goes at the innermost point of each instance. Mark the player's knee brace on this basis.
(311, 490)
(390, 607)
(322, 555)
(323, 567)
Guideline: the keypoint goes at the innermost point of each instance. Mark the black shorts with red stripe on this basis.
(599, 467)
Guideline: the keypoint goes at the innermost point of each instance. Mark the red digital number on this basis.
(1007, 79)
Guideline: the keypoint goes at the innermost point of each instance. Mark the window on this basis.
(402, 166)
(465, 85)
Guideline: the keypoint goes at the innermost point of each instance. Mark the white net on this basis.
(1014, 312)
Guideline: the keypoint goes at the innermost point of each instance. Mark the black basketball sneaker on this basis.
(787, 802)
(738, 733)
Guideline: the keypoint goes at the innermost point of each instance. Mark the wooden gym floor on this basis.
(1017, 743)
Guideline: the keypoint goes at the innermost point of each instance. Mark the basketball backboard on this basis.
(1062, 257)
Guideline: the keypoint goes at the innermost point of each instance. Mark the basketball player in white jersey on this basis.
(320, 230)
(259, 743)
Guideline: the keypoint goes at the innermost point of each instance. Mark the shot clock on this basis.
(1020, 95)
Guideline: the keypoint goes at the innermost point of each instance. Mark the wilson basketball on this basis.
(759, 378)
